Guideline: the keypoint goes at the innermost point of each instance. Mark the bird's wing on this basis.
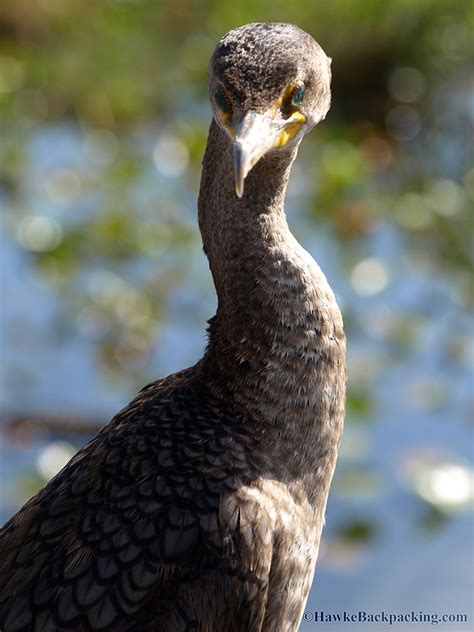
(135, 516)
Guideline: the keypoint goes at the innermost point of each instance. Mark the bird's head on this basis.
(269, 84)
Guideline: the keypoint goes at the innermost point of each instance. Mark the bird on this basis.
(200, 505)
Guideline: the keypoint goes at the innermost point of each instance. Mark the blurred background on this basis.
(103, 122)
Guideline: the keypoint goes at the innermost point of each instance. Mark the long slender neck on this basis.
(276, 344)
(237, 231)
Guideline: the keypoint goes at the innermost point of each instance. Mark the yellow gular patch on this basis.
(290, 130)
(226, 121)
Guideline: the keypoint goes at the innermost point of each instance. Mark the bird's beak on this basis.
(255, 134)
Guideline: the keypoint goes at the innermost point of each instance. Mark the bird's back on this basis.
(161, 522)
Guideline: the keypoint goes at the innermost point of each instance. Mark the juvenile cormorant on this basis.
(200, 505)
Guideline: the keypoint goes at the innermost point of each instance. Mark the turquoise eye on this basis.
(297, 97)
(222, 100)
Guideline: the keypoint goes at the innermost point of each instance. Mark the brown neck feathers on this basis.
(276, 344)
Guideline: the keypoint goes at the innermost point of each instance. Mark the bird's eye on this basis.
(297, 97)
(292, 101)
(222, 100)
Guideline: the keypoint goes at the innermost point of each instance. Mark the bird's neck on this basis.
(276, 344)
(240, 235)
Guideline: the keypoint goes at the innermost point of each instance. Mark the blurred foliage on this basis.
(128, 80)
(360, 530)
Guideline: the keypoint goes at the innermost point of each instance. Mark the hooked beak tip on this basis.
(239, 189)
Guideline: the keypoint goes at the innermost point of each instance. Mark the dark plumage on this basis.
(200, 505)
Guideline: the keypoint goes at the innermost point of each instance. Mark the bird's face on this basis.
(269, 84)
